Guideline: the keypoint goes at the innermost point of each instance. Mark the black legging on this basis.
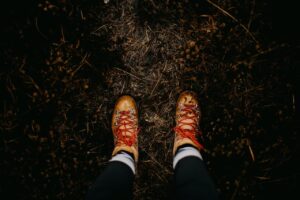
(191, 182)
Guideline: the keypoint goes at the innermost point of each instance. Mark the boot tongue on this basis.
(188, 123)
(187, 126)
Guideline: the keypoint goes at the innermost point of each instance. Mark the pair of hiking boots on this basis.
(125, 126)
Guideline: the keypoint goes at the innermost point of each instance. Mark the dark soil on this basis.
(64, 63)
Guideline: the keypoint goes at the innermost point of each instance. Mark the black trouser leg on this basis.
(192, 180)
(115, 182)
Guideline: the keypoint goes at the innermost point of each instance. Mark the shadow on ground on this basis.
(64, 63)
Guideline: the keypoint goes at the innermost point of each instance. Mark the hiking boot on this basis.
(187, 121)
(125, 126)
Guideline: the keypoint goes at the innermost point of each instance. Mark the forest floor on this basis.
(64, 64)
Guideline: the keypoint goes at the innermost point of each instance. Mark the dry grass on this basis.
(57, 106)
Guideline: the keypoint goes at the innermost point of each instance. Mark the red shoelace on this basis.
(189, 113)
(128, 133)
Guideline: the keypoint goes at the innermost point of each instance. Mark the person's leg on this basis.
(191, 177)
(192, 180)
(116, 180)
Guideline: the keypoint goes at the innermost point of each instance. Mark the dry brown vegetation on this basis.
(64, 63)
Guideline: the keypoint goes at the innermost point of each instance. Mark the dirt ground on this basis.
(64, 64)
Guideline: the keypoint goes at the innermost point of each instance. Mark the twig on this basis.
(31, 80)
(262, 178)
(286, 178)
(38, 29)
(103, 26)
(158, 80)
(236, 190)
(154, 5)
(250, 150)
(233, 18)
(81, 15)
(10, 87)
(126, 72)
(251, 14)
(294, 104)
(123, 86)
(80, 65)
(263, 52)
(93, 67)
(62, 34)
(254, 59)
(87, 127)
